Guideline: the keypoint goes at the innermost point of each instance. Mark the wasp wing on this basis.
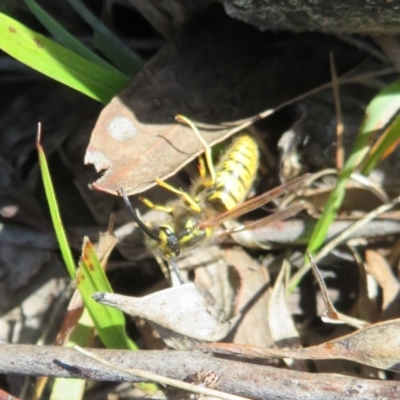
(277, 216)
(253, 203)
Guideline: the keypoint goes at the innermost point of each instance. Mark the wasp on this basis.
(227, 185)
(217, 195)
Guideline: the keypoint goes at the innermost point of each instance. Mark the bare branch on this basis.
(240, 378)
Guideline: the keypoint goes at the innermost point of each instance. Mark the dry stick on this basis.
(360, 44)
(341, 238)
(339, 119)
(246, 379)
(356, 177)
(163, 380)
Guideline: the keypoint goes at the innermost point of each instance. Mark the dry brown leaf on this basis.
(252, 299)
(366, 306)
(7, 396)
(283, 330)
(130, 151)
(178, 314)
(378, 267)
(331, 315)
(215, 279)
(377, 345)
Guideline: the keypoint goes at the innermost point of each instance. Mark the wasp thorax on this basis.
(186, 227)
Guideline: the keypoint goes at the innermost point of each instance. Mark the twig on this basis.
(243, 379)
(164, 380)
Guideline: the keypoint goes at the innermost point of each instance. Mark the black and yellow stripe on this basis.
(235, 174)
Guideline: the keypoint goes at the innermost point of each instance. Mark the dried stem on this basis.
(240, 378)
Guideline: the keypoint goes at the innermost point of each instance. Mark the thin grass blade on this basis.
(108, 43)
(109, 322)
(379, 112)
(64, 37)
(54, 212)
(57, 62)
(385, 145)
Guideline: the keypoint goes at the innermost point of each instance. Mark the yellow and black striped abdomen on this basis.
(235, 174)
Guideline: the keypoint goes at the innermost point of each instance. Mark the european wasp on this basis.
(213, 199)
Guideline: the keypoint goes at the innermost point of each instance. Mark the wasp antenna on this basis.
(176, 270)
(136, 218)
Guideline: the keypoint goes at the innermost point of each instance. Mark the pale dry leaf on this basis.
(367, 299)
(283, 330)
(331, 315)
(178, 314)
(215, 279)
(105, 245)
(252, 299)
(377, 345)
(379, 268)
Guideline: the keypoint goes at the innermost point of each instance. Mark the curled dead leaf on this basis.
(377, 345)
(178, 314)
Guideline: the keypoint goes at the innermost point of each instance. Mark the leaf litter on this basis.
(236, 298)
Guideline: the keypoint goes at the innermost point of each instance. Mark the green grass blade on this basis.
(64, 37)
(57, 62)
(386, 144)
(68, 389)
(109, 322)
(55, 214)
(381, 110)
(378, 114)
(108, 43)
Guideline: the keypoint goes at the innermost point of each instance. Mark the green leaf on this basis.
(59, 63)
(55, 214)
(382, 108)
(379, 112)
(64, 37)
(385, 145)
(108, 43)
(109, 322)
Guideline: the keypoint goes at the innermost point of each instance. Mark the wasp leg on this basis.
(202, 167)
(186, 196)
(207, 148)
(208, 157)
(154, 206)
